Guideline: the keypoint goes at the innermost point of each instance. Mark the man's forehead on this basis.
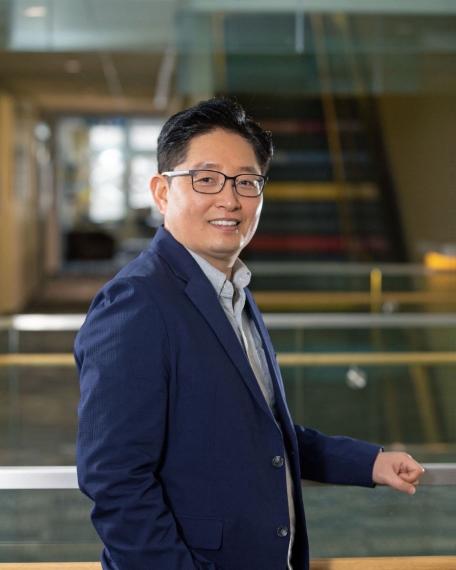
(212, 150)
(217, 166)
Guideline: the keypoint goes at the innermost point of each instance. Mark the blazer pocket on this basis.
(199, 532)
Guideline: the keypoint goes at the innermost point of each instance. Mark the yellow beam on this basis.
(321, 192)
(386, 563)
(63, 359)
(284, 358)
(51, 566)
(366, 358)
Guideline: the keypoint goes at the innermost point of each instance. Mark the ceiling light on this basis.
(35, 11)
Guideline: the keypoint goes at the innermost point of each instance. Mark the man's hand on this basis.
(398, 470)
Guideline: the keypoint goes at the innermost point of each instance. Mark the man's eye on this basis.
(205, 180)
(248, 183)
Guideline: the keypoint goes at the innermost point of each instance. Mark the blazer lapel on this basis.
(203, 296)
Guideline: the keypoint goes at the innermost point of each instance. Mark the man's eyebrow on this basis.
(216, 166)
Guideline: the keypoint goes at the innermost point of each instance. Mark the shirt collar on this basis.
(240, 275)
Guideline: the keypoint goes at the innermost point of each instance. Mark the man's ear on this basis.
(159, 187)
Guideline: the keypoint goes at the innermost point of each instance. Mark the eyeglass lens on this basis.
(210, 181)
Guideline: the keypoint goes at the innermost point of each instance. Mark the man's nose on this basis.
(228, 196)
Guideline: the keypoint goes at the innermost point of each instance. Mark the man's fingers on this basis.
(411, 471)
(410, 465)
(397, 469)
(411, 476)
(399, 484)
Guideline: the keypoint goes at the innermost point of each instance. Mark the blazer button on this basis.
(282, 531)
(277, 461)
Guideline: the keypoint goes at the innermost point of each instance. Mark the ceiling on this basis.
(69, 25)
(89, 55)
(90, 81)
(145, 56)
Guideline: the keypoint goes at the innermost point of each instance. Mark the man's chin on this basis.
(225, 251)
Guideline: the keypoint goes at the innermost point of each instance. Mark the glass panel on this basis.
(349, 277)
(349, 521)
(38, 424)
(342, 521)
(364, 339)
(46, 526)
(401, 289)
(406, 405)
(41, 341)
(391, 405)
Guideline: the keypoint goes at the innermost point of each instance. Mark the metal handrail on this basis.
(42, 322)
(65, 477)
(357, 320)
(72, 323)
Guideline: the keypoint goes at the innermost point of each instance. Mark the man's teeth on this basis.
(224, 223)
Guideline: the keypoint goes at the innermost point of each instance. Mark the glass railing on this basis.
(332, 276)
(387, 288)
(393, 405)
(400, 406)
(45, 518)
(387, 378)
(354, 521)
(50, 525)
(38, 414)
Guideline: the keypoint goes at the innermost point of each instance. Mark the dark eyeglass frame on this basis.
(193, 172)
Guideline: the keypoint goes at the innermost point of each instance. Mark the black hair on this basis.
(204, 117)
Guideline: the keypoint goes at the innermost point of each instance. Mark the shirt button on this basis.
(277, 461)
(282, 531)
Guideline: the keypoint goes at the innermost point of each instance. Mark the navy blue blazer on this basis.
(176, 442)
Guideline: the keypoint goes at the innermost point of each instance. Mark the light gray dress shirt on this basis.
(231, 295)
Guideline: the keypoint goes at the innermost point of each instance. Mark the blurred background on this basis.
(354, 262)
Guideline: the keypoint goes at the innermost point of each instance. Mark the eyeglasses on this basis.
(212, 181)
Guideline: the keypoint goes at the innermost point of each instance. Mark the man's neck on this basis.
(226, 268)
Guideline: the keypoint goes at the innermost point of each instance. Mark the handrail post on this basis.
(376, 278)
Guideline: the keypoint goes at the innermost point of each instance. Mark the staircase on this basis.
(330, 195)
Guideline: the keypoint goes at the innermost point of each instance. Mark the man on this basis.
(185, 443)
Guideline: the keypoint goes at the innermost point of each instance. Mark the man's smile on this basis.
(225, 223)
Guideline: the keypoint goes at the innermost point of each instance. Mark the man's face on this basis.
(192, 217)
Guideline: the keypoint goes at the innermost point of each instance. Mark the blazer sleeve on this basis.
(335, 459)
(122, 355)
